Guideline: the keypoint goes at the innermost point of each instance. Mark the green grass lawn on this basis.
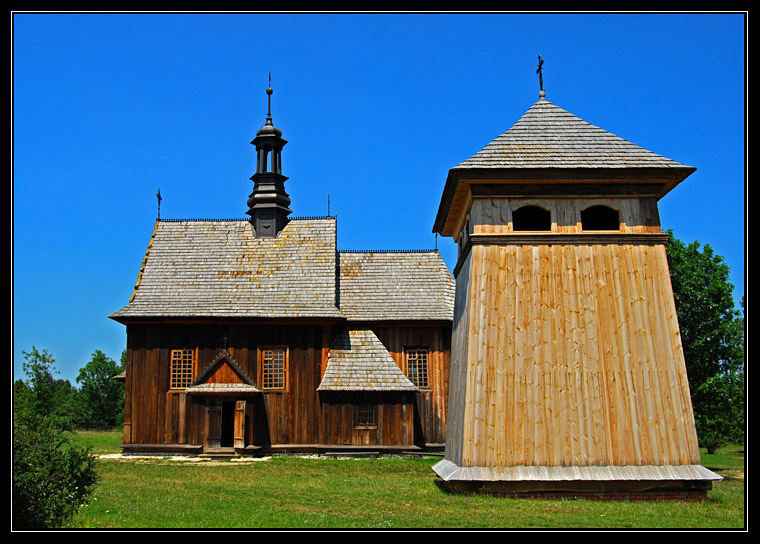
(369, 493)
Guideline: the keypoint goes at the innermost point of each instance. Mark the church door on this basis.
(225, 424)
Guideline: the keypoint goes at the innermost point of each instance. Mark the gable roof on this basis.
(358, 361)
(403, 285)
(218, 269)
(200, 268)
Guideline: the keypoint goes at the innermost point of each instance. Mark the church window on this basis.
(417, 366)
(274, 366)
(181, 368)
(366, 415)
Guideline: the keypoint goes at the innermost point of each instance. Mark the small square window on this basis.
(366, 415)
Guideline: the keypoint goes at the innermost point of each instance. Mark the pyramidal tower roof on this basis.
(551, 145)
(547, 136)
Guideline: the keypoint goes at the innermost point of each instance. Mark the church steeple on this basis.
(268, 203)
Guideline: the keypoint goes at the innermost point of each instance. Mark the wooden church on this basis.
(567, 372)
(259, 335)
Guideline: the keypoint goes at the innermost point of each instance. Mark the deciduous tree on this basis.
(712, 335)
(101, 399)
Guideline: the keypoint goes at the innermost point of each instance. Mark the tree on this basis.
(44, 394)
(51, 476)
(712, 335)
(101, 399)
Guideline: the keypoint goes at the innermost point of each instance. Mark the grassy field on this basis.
(364, 493)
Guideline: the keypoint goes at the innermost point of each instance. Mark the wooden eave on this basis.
(201, 320)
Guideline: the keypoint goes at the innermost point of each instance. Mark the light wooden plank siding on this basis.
(459, 356)
(572, 350)
(494, 215)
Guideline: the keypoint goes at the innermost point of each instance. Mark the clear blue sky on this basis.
(108, 108)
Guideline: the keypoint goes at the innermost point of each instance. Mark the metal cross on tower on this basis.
(540, 72)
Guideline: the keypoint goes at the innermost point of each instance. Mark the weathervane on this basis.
(540, 73)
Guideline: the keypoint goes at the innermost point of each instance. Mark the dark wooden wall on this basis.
(296, 416)
(394, 419)
(431, 402)
(152, 413)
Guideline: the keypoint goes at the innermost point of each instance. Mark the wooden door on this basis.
(214, 424)
(240, 424)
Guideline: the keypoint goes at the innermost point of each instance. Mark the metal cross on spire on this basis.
(269, 100)
(158, 196)
(540, 72)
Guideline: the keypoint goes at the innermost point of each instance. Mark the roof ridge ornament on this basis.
(540, 73)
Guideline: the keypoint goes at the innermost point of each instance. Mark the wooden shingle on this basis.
(358, 361)
(219, 269)
(547, 136)
(406, 285)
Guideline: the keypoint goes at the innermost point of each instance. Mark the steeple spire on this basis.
(268, 204)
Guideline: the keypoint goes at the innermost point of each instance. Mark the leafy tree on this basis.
(39, 368)
(43, 394)
(22, 397)
(52, 478)
(101, 399)
(712, 335)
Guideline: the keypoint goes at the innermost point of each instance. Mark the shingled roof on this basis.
(207, 268)
(547, 136)
(218, 268)
(404, 285)
(549, 144)
(358, 361)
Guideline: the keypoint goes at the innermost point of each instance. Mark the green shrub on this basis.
(52, 477)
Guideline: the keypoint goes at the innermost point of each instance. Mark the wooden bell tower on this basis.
(567, 372)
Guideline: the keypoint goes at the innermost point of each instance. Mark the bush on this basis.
(52, 478)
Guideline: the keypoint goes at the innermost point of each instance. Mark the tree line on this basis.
(98, 401)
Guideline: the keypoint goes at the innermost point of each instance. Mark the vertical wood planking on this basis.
(566, 361)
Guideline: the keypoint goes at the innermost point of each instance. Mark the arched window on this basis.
(600, 218)
(531, 218)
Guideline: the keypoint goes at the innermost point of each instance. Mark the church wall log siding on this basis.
(160, 416)
(294, 415)
(394, 424)
(579, 371)
(431, 400)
